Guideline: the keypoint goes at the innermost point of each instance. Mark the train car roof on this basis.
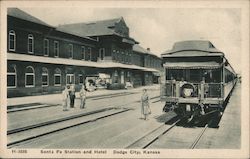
(192, 65)
(193, 48)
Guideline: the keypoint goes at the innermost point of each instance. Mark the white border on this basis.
(170, 153)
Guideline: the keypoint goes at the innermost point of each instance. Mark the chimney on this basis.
(148, 49)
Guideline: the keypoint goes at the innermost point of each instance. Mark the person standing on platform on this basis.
(145, 109)
(65, 95)
(82, 97)
(72, 96)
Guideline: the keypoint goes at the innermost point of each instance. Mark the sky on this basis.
(159, 28)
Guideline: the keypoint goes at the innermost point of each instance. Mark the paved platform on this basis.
(228, 135)
(33, 116)
(55, 98)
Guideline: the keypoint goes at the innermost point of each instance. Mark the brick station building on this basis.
(43, 59)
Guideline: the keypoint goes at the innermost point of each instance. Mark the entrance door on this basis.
(101, 54)
(122, 77)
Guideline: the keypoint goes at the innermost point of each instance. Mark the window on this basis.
(101, 53)
(117, 56)
(80, 79)
(83, 52)
(30, 44)
(122, 57)
(12, 41)
(113, 55)
(29, 77)
(11, 77)
(56, 48)
(57, 77)
(45, 77)
(70, 79)
(126, 57)
(46, 47)
(70, 51)
(89, 54)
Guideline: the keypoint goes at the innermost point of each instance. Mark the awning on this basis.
(120, 65)
(125, 40)
(192, 65)
(73, 62)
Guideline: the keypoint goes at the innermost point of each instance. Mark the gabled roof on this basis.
(95, 28)
(138, 48)
(193, 48)
(17, 13)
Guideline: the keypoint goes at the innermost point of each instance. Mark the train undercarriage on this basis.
(193, 111)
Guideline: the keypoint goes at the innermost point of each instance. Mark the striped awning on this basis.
(192, 65)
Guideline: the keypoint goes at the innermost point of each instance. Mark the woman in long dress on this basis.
(82, 97)
(145, 109)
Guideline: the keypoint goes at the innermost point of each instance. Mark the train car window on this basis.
(195, 75)
(216, 76)
(212, 76)
(177, 74)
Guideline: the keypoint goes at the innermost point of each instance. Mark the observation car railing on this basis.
(204, 90)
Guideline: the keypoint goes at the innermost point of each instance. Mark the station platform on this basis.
(56, 98)
(228, 135)
(28, 111)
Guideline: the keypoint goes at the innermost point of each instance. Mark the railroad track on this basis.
(152, 136)
(25, 134)
(21, 135)
(155, 135)
(114, 95)
(25, 107)
(198, 137)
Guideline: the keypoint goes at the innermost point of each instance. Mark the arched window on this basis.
(11, 76)
(30, 43)
(45, 77)
(29, 77)
(57, 77)
(12, 40)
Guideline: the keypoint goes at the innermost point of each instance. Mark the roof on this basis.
(95, 28)
(17, 13)
(65, 61)
(138, 48)
(90, 29)
(192, 65)
(193, 48)
(191, 54)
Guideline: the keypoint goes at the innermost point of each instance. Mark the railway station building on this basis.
(43, 59)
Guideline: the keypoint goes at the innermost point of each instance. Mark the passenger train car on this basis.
(197, 79)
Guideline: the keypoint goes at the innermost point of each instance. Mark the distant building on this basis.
(42, 58)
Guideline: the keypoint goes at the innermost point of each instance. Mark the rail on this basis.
(206, 90)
